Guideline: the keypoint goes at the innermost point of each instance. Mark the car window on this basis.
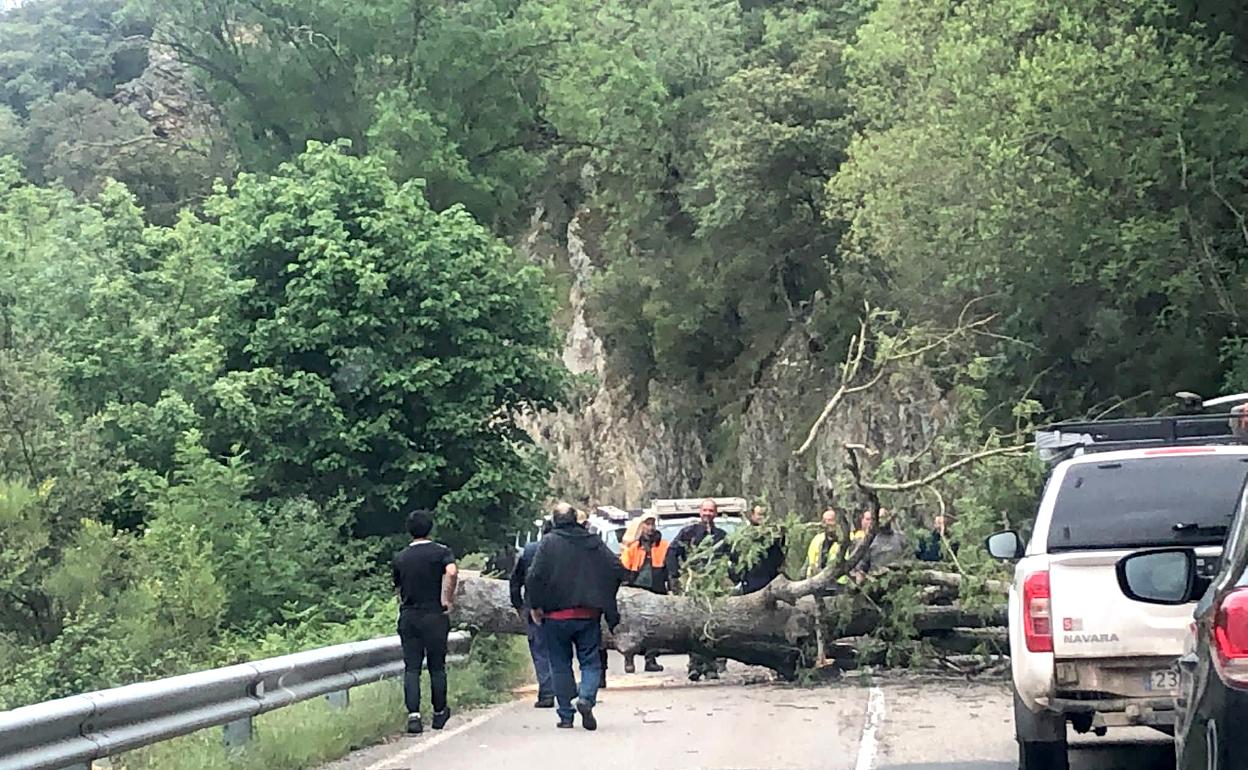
(1159, 501)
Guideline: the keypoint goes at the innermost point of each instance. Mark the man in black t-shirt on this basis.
(424, 576)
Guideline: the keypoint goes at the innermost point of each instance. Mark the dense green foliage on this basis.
(64, 112)
(195, 419)
(191, 376)
(1074, 165)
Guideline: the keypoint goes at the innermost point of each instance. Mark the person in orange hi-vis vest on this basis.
(645, 558)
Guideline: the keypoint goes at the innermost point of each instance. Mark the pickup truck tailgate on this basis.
(1092, 618)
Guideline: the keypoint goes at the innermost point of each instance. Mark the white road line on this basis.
(868, 746)
(427, 741)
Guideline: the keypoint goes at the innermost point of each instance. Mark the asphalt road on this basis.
(660, 722)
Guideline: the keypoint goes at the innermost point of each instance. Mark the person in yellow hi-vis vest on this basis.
(825, 548)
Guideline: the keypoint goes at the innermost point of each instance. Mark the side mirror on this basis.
(1005, 546)
(1159, 577)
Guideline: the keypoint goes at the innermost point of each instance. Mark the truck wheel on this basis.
(1041, 738)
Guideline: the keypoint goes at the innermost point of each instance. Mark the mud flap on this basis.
(1041, 738)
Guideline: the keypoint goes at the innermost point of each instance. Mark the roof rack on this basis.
(1062, 440)
(684, 506)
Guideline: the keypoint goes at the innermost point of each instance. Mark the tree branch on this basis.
(905, 486)
(849, 370)
(857, 352)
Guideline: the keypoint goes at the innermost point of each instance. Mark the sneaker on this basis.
(565, 725)
(629, 668)
(587, 715)
(414, 726)
(695, 676)
(653, 666)
(440, 717)
(544, 703)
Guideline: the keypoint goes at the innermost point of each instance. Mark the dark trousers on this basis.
(541, 660)
(423, 636)
(562, 638)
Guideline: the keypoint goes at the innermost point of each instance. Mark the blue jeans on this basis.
(562, 636)
(541, 660)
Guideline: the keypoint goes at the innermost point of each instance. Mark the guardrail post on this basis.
(339, 699)
(238, 733)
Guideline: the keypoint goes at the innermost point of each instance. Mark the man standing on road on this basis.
(645, 559)
(537, 646)
(425, 576)
(571, 587)
(766, 567)
(687, 539)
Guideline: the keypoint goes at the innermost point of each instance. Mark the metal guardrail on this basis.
(68, 734)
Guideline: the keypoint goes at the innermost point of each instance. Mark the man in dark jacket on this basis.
(689, 538)
(765, 567)
(571, 587)
(537, 647)
(930, 546)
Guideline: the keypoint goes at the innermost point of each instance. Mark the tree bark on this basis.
(774, 627)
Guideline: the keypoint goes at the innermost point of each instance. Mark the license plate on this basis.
(1162, 679)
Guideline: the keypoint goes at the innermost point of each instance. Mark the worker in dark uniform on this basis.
(765, 568)
(689, 538)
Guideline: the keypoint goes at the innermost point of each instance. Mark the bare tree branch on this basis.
(1014, 450)
(852, 366)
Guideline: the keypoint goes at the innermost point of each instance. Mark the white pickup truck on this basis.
(1082, 652)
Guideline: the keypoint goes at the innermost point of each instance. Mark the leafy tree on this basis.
(381, 350)
(84, 141)
(52, 46)
(1072, 165)
(445, 89)
(718, 243)
(12, 133)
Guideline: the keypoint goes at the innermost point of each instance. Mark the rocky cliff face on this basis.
(608, 450)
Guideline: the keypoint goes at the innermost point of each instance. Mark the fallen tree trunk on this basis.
(774, 627)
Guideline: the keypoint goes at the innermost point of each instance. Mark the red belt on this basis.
(574, 613)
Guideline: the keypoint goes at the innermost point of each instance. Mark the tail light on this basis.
(1230, 637)
(1037, 614)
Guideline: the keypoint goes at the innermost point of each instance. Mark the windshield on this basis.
(1143, 502)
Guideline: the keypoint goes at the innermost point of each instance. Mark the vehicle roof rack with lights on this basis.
(1063, 440)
